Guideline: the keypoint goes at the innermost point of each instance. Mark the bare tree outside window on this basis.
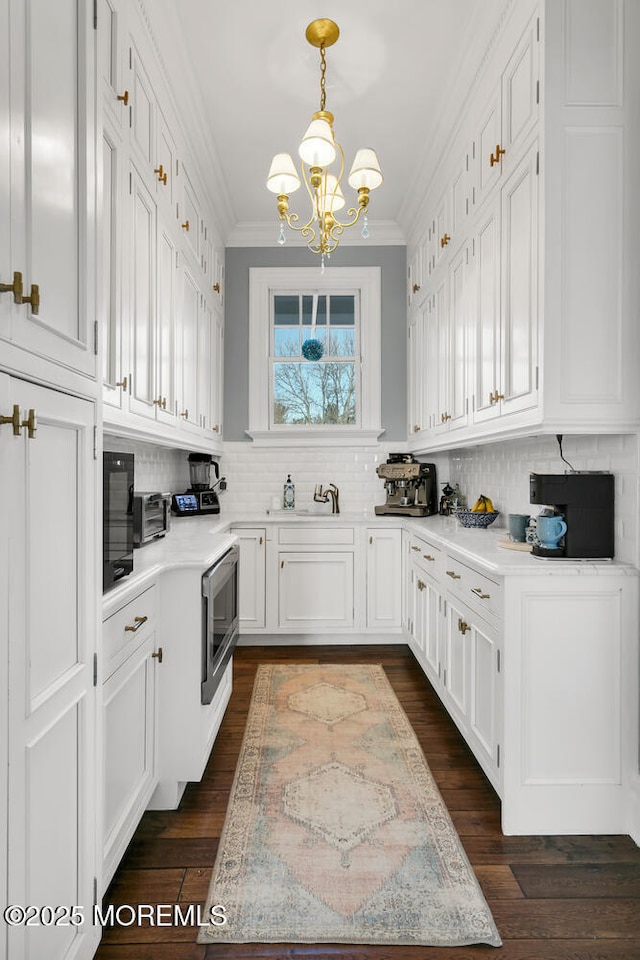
(322, 392)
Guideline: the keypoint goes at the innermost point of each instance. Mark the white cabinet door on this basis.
(216, 371)
(251, 578)
(519, 289)
(129, 736)
(434, 629)
(142, 294)
(188, 347)
(113, 309)
(456, 662)
(486, 331)
(48, 598)
(50, 129)
(485, 695)
(383, 578)
(316, 589)
(166, 364)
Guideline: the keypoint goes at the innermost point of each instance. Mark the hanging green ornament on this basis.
(312, 350)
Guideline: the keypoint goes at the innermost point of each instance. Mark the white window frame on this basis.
(263, 283)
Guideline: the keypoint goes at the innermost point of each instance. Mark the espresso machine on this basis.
(410, 486)
(202, 496)
(585, 499)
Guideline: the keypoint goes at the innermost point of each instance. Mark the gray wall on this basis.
(392, 261)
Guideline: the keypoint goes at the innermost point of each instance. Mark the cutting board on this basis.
(512, 545)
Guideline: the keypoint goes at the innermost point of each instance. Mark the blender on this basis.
(201, 497)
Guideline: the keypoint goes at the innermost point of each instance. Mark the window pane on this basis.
(343, 311)
(286, 310)
(314, 393)
(341, 342)
(286, 342)
(307, 308)
(321, 316)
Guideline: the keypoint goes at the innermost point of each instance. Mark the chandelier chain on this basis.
(323, 70)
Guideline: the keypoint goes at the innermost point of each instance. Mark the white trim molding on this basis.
(264, 280)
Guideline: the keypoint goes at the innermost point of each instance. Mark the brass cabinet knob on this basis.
(415, 287)
(185, 226)
(444, 240)
(162, 174)
(124, 97)
(495, 157)
(157, 654)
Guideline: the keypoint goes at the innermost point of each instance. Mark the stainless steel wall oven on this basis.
(220, 620)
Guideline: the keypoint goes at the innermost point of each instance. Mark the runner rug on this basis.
(335, 830)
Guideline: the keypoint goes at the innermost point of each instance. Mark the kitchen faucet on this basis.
(322, 496)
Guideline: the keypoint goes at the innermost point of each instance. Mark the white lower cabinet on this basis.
(538, 668)
(251, 576)
(48, 610)
(384, 571)
(315, 588)
(130, 705)
(309, 577)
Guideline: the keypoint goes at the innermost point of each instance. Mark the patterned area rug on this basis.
(336, 831)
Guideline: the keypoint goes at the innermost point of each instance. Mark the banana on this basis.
(483, 505)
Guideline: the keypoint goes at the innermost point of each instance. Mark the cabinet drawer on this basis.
(430, 559)
(128, 627)
(316, 535)
(476, 589)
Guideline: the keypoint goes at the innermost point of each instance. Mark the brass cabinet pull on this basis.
(185, 414)
(158, 654)
(370, 540)
(33, 299)
(281, 564)
(494, 397)
(444, 417)
(478, 592)
(416, 548)
(185, 226)
(260, 542)
(216, 287)
(444, 240)
(123, 97)
(415, 287)
(15, 288)
(495, 157)
(161, 402)
(14, 419)
(416, 428)
(216, 428)
(463, 626)
(427, 556)
(162, 174)
(453, 575)
(31, 424)
(17, 424)
(421, 585)
(137, 623)
(124, 383)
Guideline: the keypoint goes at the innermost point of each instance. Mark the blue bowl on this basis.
(470, 519)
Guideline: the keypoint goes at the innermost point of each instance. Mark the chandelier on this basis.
(318, 151)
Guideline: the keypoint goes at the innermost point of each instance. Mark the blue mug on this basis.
(550, 531)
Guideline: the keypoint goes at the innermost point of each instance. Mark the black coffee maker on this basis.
(586, 501)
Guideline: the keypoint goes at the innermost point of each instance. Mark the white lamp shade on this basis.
(317, 148)
(331, 197)
(283, 178)
(365, 171)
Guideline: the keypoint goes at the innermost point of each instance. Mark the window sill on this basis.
(319, 437)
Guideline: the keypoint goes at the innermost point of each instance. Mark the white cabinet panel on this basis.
(49, 600)
(383, 578)
(251, 577)
(50, 131)
(142, 295)
(316, 588)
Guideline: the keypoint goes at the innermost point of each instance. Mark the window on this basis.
(314, 361)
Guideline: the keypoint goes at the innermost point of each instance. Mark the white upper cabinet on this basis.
(161, 277)
(46, 199)
(551, 228)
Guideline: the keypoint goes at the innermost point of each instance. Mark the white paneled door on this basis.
(47, 601)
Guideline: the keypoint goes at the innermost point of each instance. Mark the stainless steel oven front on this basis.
(220, 620)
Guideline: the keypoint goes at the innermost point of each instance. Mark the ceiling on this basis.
(396, 75)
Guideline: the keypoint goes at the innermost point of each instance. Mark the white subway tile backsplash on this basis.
(255, 475)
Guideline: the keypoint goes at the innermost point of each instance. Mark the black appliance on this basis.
(201, 497)
(117, 517)
(410, 486)
(151, 516)
(220, 620)
(586, 501)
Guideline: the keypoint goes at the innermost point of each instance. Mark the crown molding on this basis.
(382, 233)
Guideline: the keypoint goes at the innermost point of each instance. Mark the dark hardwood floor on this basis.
(553, 898)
